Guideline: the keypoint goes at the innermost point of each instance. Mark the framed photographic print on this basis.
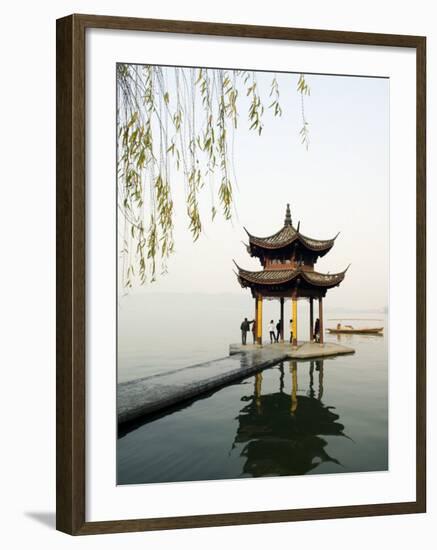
(240, 274)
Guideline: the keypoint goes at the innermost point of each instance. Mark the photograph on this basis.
(252, 265)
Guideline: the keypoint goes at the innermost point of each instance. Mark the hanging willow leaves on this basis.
(175, 123)
(274, 92)
(303, 89)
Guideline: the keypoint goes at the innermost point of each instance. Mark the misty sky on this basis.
(340, 184)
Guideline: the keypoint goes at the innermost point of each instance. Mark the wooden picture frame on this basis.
(71, 254)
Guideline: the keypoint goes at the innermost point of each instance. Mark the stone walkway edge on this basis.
(141, 397)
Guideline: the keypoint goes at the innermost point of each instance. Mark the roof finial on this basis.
(287, 220)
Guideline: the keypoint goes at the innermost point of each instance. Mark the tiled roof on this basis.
(286, 236)
(281, 276)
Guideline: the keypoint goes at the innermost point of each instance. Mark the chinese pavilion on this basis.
(288, 259)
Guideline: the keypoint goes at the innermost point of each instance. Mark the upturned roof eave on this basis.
(334, 279)
(262, 242)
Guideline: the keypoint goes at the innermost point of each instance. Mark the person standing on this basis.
(278, 330)
(317, 331)
(291, 331)
(254, 331)
(272, 332)
(245, 327)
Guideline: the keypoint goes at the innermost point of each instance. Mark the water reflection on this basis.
(282, 433)
(343, 337)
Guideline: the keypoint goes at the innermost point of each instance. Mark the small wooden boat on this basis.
(350, 330)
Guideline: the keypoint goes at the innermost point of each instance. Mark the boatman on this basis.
(245, 327)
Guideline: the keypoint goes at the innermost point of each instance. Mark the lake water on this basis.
(296, 418)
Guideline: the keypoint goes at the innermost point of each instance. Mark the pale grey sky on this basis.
(340, 184)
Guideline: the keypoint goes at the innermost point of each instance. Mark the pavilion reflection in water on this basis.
(283, 433)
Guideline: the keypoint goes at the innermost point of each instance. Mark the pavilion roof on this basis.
(287, 235)
(282, 276)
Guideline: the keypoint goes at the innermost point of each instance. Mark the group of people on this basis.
(274, 331)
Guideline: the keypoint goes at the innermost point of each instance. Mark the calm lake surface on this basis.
(312, 417)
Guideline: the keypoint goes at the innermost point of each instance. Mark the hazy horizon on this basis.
(238, 293)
